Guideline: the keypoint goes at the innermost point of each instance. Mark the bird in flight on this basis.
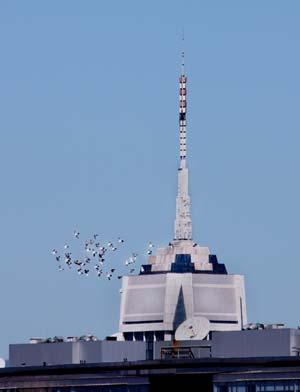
(76, 234)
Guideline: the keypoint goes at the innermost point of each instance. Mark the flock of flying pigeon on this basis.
(95, 257)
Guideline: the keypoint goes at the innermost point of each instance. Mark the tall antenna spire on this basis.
(183, 223)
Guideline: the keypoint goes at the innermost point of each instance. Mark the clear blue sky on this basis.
(89, 139)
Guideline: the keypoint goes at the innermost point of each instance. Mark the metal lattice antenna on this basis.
(182, 108)
(183, 223)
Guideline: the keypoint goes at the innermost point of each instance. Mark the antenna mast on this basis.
(182, 110)
(183, 223)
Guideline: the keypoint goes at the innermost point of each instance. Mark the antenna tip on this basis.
(182, 54)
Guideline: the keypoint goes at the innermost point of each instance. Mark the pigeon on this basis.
(76, 234)
(131, 260)
(149, 252)
(95, 236)
(194, 245)
(94, 253)
(102, 250)
(68, 255)
(120, 240)
(57, 258)
(112, 270)
(113, 248)
(150, 245)
(86, 271)
(54, 252)
(66, 246)
(120, 276)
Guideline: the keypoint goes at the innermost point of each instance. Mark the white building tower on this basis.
(183, 280)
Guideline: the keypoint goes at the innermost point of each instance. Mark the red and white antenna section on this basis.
(183, 223)
(182, 111)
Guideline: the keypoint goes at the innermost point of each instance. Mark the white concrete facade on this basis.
(166, 256)
(152, 302)
(183, 222)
